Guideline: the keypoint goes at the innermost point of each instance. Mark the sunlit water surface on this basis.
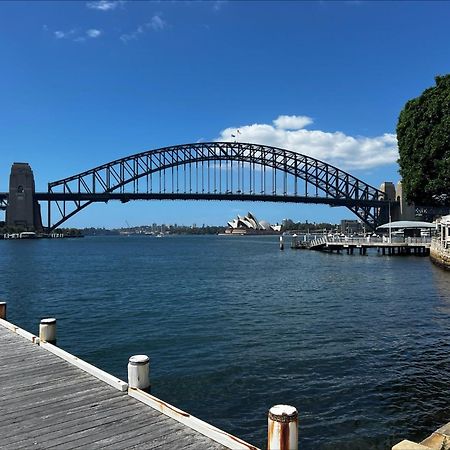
(359, 344)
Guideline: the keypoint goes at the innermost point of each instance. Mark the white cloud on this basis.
(93, 33)
(77, 35)
(336, 148)
(64, 34)
(156, 23)
(104, 5)
(292, 122)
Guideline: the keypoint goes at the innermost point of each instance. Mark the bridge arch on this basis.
(217, 171)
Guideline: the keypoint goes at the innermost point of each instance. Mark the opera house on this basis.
(249, 224)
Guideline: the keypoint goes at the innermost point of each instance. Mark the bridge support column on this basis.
(23, 211)
(391, 214)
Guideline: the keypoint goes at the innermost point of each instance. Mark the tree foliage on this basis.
(423, 133)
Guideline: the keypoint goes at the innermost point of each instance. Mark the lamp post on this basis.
(390, 228)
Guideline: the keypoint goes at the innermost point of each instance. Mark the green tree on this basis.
(423, 133)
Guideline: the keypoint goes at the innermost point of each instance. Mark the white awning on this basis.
(406, 224)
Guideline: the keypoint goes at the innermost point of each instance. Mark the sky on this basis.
(84, 83)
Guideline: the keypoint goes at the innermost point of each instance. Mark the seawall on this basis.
(440, 255)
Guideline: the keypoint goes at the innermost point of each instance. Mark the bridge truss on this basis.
(215, 171)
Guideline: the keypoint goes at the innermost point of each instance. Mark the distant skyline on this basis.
(85, 83)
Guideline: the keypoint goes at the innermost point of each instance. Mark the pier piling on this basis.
(139, 372)
(3, 310)
(47, 330)
(282, 428)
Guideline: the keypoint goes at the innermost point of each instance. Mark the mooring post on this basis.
(3, 310)
(281, 243)
(47, 330)
(139, 372)
(282, 428)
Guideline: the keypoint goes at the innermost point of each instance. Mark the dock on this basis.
(52, 399)
(405, 246)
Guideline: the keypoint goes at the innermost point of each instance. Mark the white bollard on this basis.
(47, 330)
(282, 428)
(3, 310)
(281, 243)
(139, 372)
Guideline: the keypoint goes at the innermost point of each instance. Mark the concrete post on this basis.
(282, 428)
(47, 330)
(3, 310)
(139, 372)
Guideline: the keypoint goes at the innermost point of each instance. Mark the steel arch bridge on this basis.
(215, 171)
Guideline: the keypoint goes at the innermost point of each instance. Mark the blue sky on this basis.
(84, 83)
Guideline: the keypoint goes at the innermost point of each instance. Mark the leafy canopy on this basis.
(423, 133)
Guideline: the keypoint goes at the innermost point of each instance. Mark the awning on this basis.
(406, 224)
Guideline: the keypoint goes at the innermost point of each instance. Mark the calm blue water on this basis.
(359, 344)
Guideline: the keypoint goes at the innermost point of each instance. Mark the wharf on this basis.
(48, 401)
(406, 246)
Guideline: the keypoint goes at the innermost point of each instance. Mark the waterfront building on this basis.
(440, 245)
(351, 226)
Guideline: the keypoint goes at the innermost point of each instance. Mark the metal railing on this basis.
(318, 240)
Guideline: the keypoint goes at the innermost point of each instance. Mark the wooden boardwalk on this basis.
(46, 402)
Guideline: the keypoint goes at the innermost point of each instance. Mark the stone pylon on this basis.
(23, 211)
(402, 210)
(407, 210)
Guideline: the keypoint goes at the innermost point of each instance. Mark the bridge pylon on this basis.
(399, 208)
(23, 211)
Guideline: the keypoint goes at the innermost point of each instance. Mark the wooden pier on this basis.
(404, 247)
(51, 399)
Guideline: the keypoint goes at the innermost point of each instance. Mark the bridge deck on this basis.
(46, 402)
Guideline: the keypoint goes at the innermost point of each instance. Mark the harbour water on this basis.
(359, 344)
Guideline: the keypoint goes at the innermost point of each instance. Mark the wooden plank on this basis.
(20, 357)
(202, 442)
(178, 440)
(19, 331)
(152, 439)
(45, 391)
(157, 435)
(112, 426)
(89, 368)
(32, 371)
(32, 408)
(11, 347)
(64, 406)
(69, 431)
(35, 382)
(55, 419)
(116, 439)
